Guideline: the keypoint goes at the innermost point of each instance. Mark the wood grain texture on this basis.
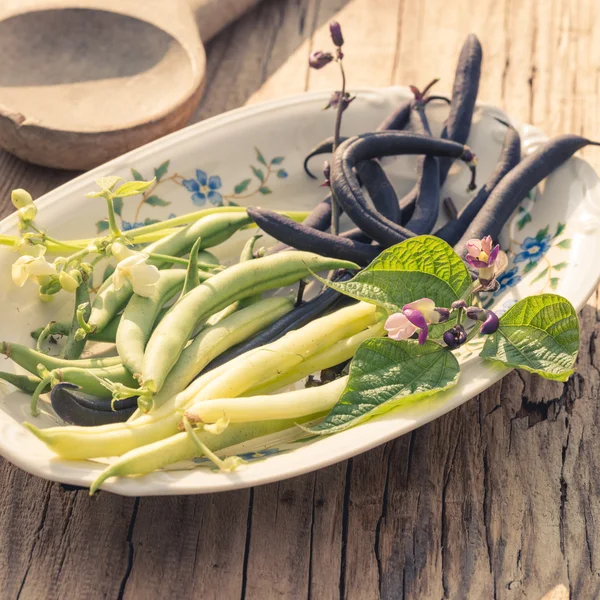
(498, 499)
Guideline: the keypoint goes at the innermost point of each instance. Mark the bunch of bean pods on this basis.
(200, 362)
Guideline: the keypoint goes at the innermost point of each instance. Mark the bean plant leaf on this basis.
(385, 373)
(133, 188)
(161, 171)
(260, 158)
(421, 267)
(156, 201)
(258, 173)
(137, 175)
(118, 205)
(242, 186)
(108, 183)
(539, 334)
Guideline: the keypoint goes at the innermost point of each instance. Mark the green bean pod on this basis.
(29, 359)
(237, 282)
(73, 347)
(213, 341)
(53, 328)
(180, 446)
(26, 383)
(234, 378)
(88, 379)
(213, 229)
(107, 335)
(140, 316)
(288, 405)
(330, 357)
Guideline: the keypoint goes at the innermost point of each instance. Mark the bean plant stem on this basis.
(112, 221)
(335, 207)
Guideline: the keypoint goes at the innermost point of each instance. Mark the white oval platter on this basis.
(254, 156)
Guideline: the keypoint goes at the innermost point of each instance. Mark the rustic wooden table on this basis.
(498, 499)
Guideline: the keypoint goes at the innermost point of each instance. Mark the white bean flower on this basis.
(141, 275)
(31, 267)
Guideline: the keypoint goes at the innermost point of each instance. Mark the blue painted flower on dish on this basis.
(204, 188)
(508, 279)
(533, 248)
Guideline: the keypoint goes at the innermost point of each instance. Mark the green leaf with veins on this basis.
(108, 183)
(385, 373)
(421, 267)
(539, 334)
(133, 188)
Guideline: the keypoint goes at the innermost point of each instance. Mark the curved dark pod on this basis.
(77, 408)
(464, 96)
(327, 300)
(304, 238)
(515, 186)
(376, 145)
(381, 191)
(319, 219)
(510, 157)
(427, 200)
(420, 207)
(397, 120)
(324, 147)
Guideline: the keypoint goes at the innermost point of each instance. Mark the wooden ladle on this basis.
(82, 81)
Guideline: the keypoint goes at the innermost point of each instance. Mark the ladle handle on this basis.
(214, 15)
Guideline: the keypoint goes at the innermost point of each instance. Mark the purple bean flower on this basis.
(489, 318)
(415, 316)
(319, 59)
(455, 337)
(336, 33)
(490, 261)
(336, 98)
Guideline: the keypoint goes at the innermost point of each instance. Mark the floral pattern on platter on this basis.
(205, 190)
